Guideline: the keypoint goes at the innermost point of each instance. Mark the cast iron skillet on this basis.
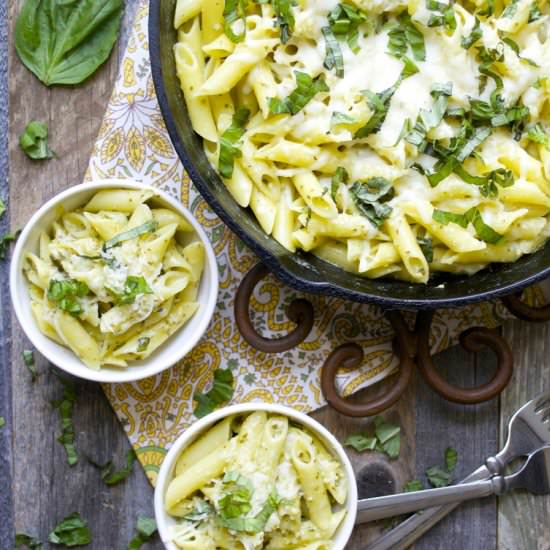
(304, 271)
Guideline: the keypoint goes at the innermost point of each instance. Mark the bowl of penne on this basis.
(377, 151)
(113, 280)
(256, 475)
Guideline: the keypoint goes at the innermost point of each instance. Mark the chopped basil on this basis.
(340, 177)
(150, 226)
(237, 501)
(256, 523)
(476, 139)
(379, 104)
(333, 56)
(28, 359)
(65, 406)
(234, 10)
(344, 21)
(2, 421)
(114, 478)
(537, 134)
(426, 245)
(473, 216)
(438, 477)
(507, 40)
(534, 13)
(371, 197)
(143, 343)
(468, 41)
(133, 287)
(511, 9)
(72, 531)
(201, 512)
(403, 33)
(22, 539)
(412, 486)
(285, 18)
(405, 129)
(229, 142)
(221, 391)
(34, 141)
(444, 16)
(65, 293)
(340, 118)
(361, 442)
(306, 89)
(146, 528)
(451, 459)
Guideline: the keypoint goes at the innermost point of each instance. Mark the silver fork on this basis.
(528, 430)
(534, 476)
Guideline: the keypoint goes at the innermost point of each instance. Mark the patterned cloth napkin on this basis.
(133, 143)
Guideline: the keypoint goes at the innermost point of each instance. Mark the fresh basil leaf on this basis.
(473, 216)
(143, 343)
(476, 139)
(537, 134)
(427, 120)
(444, 17)
(65, 406)
(409, 68)
(221, 391)
(340, 177)
(397, 41)
(22, 539)
(114, 478)
(201, 512)
(344, 21)
(306, 89)
(28, 359)
(65, 42)
(511, 115)
(150, 226)
(389, 436)
(451, 459)
(438, 477)
(361, 442)
(72, 531)
(256, 523)
(133, 287)
(234, 10)
(65, 293)
(2, 207)
(444, 218)
(146, 528)
(403, 34)
(442, 171)
(2, 421)
(412, 486)
(237, 501)
(340, 118)
(379, 104)
(371, 197)
(34, 141)
(285, 18)
(468, 41)
(230, 141)
(426, 245)
(333, 56)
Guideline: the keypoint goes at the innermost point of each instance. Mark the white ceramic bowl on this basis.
(164, 521)
(176, 347)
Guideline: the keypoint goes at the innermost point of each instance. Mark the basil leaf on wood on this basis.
(371, 197)
(34, 141)
(306, 89)
(361, 442)
(111, 477)
(229, 142)
(65, 406)
(65, 42)
(146, 528)
(150, 226)
(333, 56)
(451, 459)
(72, 531)
(221, 391)
(28, 359)
(412, 486)
(438, 477)
(22, 539)
(2, 421)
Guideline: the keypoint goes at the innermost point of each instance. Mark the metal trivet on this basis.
(410, 346)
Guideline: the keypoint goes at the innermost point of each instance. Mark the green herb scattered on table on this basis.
(412, 486)
(2, 421)
(111, 477)
(66, 42)
(386, 439)
(65, 406)
(28, 358)
(34, 141)
(146, 528)
(22, 539)
(442, 476)
(72, 531)
(221, 391)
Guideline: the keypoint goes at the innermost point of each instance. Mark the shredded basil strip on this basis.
(221, 391)
(65, 293)
(306, 89)
(405, 129)
(72, 531)
(333, 57)
(537, 134)
(468, 41)
(371, 197)
(146, 528)
(234, 10)
(473, 216)
(344, 21)
(285, 18)
(426, 245)
(133, 286)
(229, 142)
(403, 33)
(28, 359)
(514, 46)
(445, 15)
(65, 406)
(237, 501)
(149, 226)
(256, 523)
(340, 177)
(338, 118)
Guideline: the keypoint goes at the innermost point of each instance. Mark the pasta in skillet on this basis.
(116, 278)
(391, 137)
(269, 485)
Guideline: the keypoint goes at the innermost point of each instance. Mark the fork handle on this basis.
(408, 532)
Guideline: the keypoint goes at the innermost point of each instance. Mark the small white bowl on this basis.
(167, 355)
(166, 473)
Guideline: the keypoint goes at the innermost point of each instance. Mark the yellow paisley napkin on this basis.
(134, 143)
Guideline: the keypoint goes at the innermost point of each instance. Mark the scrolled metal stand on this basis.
(412, 347)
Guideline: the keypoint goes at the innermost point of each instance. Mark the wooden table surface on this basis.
(38, 488)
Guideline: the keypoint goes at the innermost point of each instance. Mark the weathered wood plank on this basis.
(523, 520)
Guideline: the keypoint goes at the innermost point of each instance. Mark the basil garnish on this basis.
(473, 37)
(22, 539)
(256, 523)
(221, 391)
(306, 89)
(340, 177)
(65, 293)
(371, 197)
(236, 502)
(444, 16)
(333, 57)
(34, 141)
(340, 118)
(285, 18)
(143, 343)
(426, 245)
(537, 134)
(232, 12)
(149, 226)
(344, 21)
(229, 142)
(403, 33)
(133, 286)
(473, 216)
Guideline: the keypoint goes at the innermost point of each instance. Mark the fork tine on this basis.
(542, 404)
